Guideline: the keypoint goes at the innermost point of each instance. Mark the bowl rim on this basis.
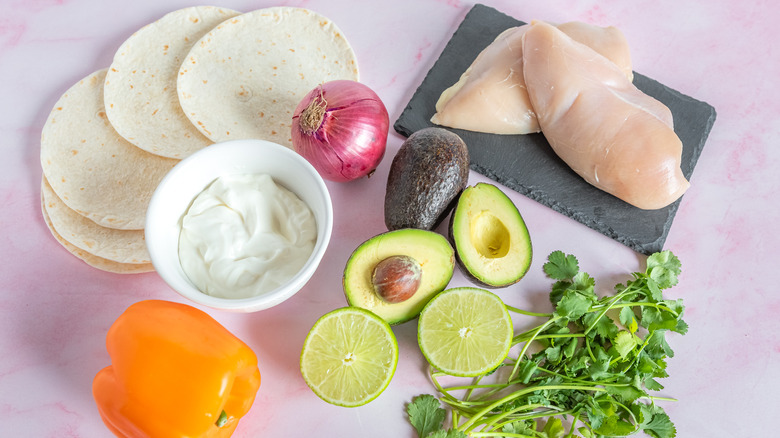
(155, 228)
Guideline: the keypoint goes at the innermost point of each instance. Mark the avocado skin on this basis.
(426, 177)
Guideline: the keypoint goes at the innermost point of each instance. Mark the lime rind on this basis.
(465, 332)
(349, 357)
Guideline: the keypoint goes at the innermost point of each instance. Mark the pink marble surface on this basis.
(55, 310)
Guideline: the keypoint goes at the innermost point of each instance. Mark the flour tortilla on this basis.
(123, 246)
(245, 78)
(93, 260)
(92, 169)
(140, 89)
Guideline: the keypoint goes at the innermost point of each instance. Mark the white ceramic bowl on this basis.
(190, 176)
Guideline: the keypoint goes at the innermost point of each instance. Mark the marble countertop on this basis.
(55, 310)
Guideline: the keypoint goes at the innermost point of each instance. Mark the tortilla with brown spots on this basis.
(122, 246)
(140, 89)
(245, 77)
(93, 260)
(92, 169)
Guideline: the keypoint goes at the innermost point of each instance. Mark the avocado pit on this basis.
(396, 278)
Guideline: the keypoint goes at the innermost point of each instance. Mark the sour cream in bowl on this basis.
(239, 226)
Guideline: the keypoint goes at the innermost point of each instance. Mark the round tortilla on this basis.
(140, 88)
(245, 78)
(122, 246)
(93, 260)
(92, 169)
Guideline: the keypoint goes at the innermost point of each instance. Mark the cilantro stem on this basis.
(481, 386)
(535, 333)
(501, 434)
(464, 403)
(526, 312)
(560, 335)
(589, 349)
(487, 409)
(659, 306)
(653, 398)
(527, 407)
(572, 429)
(609, 306)
(630, 413)
(582, 381)
(470, 392)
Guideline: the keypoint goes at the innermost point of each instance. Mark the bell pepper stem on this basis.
(222, 419)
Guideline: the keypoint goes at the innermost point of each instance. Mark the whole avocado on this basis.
(426, 177)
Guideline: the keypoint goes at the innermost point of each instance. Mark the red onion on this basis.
(341, 128)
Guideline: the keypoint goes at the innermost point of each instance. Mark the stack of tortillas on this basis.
(194, 77)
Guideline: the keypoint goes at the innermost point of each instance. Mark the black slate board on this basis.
(527, 164)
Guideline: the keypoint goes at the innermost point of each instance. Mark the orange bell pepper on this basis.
(175, 372)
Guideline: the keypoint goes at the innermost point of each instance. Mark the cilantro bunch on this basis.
(594, 362)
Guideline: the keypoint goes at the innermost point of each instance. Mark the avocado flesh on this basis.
(492, 244)
(432, 250)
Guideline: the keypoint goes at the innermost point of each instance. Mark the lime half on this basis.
(349, 356)
(465, 331)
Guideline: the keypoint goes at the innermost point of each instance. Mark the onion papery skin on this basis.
(350, 139)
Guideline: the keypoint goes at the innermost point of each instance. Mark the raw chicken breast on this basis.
(608, 41)
(491, 95)
(609, 132)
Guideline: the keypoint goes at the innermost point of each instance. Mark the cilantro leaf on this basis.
(425, 414)
(447, 434)
(553, 354)
(654, 319)
(569, 349)
(561, 266)
(625, 393)
(614, 426)
(681, 327)
(628, 319)
(554, 428)
(624, 343)
(520, 427)
(573, 305)
(584, 283)
(527, 370)
(599, 369)
(656, 423)
(657, 346)
(653, 384)
(654, 289)
(604, 326)
(558, 289)
(663, 267)
(596, 414)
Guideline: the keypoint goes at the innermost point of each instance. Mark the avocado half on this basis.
(491, 240)
(431, 250)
